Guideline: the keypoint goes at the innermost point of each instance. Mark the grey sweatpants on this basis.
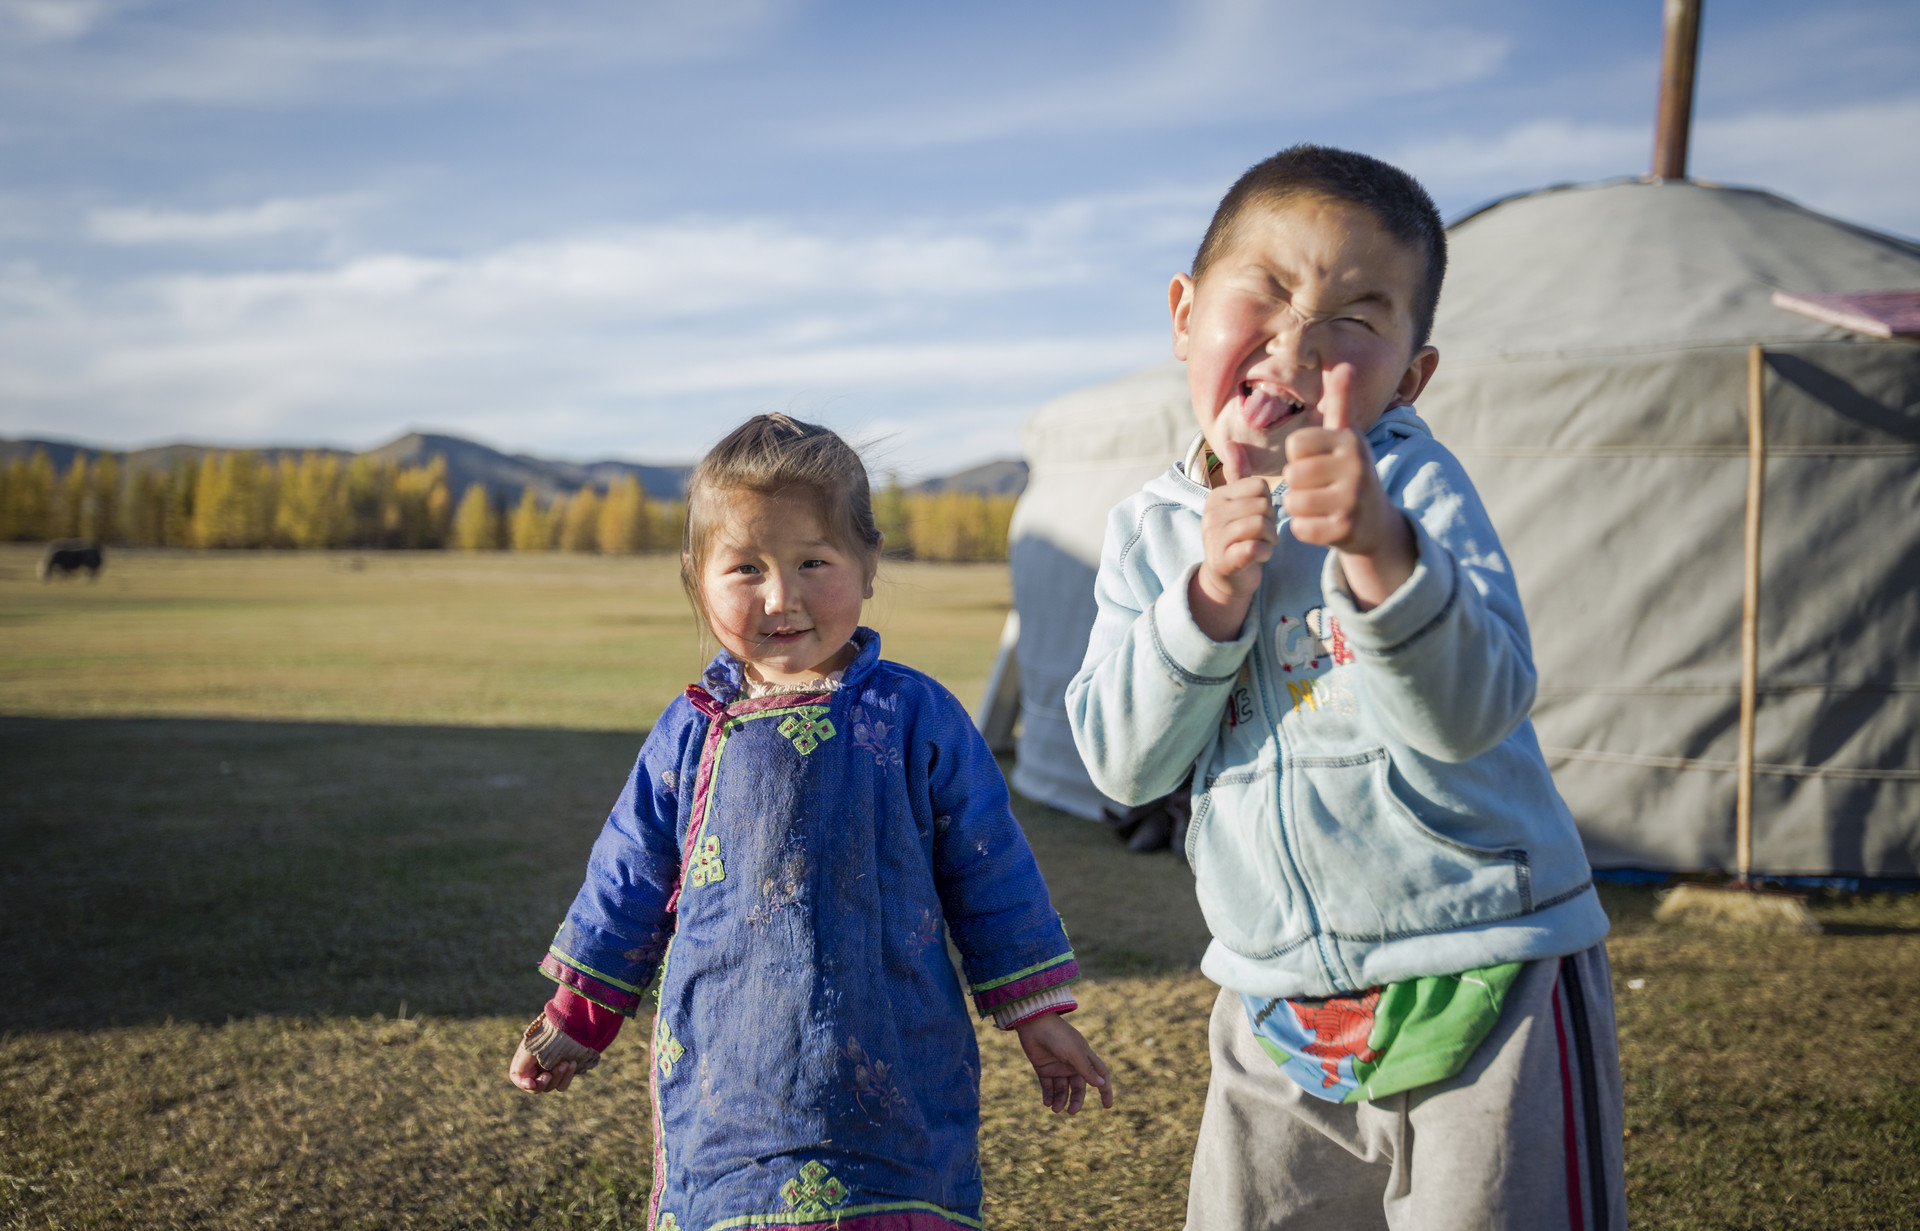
(1527, 1137)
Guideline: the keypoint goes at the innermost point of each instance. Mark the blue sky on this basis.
(614, 229)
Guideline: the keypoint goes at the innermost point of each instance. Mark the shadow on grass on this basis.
(200, 870)
(1868, 929)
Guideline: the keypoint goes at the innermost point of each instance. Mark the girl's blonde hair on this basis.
(769, 455)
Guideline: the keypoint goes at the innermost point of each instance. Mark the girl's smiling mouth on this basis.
(786, 634)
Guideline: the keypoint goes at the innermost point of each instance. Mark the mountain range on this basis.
(505, 475)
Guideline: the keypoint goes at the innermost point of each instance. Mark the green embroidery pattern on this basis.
(666, 1049)
(808, 727)
(707, 867)
(667, 1223)
(813, 1192)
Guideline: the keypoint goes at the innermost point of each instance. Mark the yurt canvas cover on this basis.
(1594, 346)
(1086, 452)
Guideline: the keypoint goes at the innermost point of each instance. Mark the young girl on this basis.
(798, 828)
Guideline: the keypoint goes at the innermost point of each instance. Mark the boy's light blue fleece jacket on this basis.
(1370, 802)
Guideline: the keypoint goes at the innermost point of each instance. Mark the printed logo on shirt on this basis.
(1308, 641)
(1240, 700)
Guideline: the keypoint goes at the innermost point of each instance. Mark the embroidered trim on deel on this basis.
(1037, 967)
(1053, 976)
(718, 730)
(723, 724)
(653, 1100)
(667, 1050)
(707, 867)
(591, 973)
(845, 1218)
(814, 1192)
(589, 988)
(808, 727)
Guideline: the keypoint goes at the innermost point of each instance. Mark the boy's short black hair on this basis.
(1395, 199)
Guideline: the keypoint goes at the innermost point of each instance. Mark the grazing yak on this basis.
(70, 556)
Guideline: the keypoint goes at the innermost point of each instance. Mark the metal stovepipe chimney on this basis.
(1676, 89)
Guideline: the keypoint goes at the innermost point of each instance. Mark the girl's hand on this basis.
(526, 1072)
(1063, 1062)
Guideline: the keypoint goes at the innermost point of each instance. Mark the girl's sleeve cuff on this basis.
(1022, 984)
(586, 1023)
(1054, 1000)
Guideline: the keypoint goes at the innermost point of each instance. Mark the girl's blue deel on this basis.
(789, 867)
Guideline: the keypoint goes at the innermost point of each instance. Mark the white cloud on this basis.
(1529, 155)
(1859, 162)
(574, 343)
(324, 216)
(51, 21)
(230, 51)
(1224, 61)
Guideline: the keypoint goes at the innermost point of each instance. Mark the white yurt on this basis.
(1086, 452)
(1595, 344)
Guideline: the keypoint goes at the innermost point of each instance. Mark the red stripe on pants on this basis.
(1576, 1218)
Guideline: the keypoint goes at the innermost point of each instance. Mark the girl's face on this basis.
(779, 592)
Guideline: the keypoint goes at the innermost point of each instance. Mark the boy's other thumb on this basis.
(1336, 384)
(1233, 461)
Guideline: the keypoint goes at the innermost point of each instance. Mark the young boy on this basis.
(1415, 1027)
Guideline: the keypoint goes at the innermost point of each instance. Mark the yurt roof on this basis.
(1649, 265)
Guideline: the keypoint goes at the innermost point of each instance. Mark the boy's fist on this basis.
(1334, 499)
(1237, 534)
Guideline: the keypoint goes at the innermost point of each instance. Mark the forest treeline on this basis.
(319, 500)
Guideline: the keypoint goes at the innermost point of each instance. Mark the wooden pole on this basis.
(1750, 608)
(1677, 62)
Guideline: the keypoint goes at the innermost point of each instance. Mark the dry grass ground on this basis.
(266, 973)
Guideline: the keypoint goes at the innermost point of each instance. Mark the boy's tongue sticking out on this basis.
(1263, 408)
(1251, 432)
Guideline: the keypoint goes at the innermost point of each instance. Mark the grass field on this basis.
(489, 639)
(280, 839)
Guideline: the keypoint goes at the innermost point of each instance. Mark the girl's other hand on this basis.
(526, 1073)
(1063, 1062)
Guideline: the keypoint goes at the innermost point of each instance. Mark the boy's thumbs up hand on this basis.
(1334, 497)
(1336, 386)
(1237, 533)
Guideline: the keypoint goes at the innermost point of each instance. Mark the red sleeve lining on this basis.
(583, 1021)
